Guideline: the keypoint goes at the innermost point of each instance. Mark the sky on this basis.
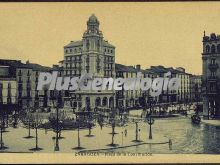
(168, 34)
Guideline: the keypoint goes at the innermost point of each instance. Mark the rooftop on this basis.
(19, 64)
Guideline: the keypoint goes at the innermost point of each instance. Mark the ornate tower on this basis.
(211, 76)
(93, 48)
(92, 55)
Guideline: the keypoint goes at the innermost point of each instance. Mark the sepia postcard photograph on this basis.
(109, 82)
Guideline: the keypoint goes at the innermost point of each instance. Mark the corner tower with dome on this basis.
(92, 55)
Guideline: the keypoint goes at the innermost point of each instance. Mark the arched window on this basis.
(104, 101)
(87, 45)
(98, 45)
(207, 49)
(213, 49)
(218, 48)
(98, 101)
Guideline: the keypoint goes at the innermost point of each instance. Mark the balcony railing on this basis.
(212, 78)
(213, 66)
(212, 92)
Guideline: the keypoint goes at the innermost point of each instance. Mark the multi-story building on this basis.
(211, 76)
(8, 89)
(26, 78)
(127, 98)
(92, 55)
(195, 88)
(184, 90)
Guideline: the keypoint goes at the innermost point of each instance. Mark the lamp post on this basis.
(57, 148)
(137, 139)
(149, 118)
(57, 129)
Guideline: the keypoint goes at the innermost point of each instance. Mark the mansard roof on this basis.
(74, 44)
(123, 68)
(107, 44)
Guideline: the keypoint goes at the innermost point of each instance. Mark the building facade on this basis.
(211, 76)
(8, 89)
(196, 88)
(25, 78)
(92, 55)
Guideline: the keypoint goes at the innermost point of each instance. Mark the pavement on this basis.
(211, 122)
(15, 141)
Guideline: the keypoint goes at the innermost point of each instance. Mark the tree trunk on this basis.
(29, 129)
(36, 138)
(136, 131)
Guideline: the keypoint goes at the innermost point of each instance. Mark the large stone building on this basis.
(211, 76)
(92, 55)
(196, 88)
(22, 79)
(8, 88)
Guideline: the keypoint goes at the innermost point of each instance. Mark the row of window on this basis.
(8, 86)
(79, 50)
(108, 74)
(212, 49)
(71, 50)
(108, 50)
(73, 72)
(108, 59)
(73, 58)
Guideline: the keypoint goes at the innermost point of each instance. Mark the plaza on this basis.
(164, 132)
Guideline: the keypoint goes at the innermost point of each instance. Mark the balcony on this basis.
(213, 66)
(213, 78)
(212, 92)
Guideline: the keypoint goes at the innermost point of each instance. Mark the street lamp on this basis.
(56, 148)
(149, 118)
(58, 128)
(136, 121)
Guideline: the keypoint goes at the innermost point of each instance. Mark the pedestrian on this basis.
(126, 132)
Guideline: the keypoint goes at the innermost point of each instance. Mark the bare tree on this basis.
(37, 121)
(26, 117)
